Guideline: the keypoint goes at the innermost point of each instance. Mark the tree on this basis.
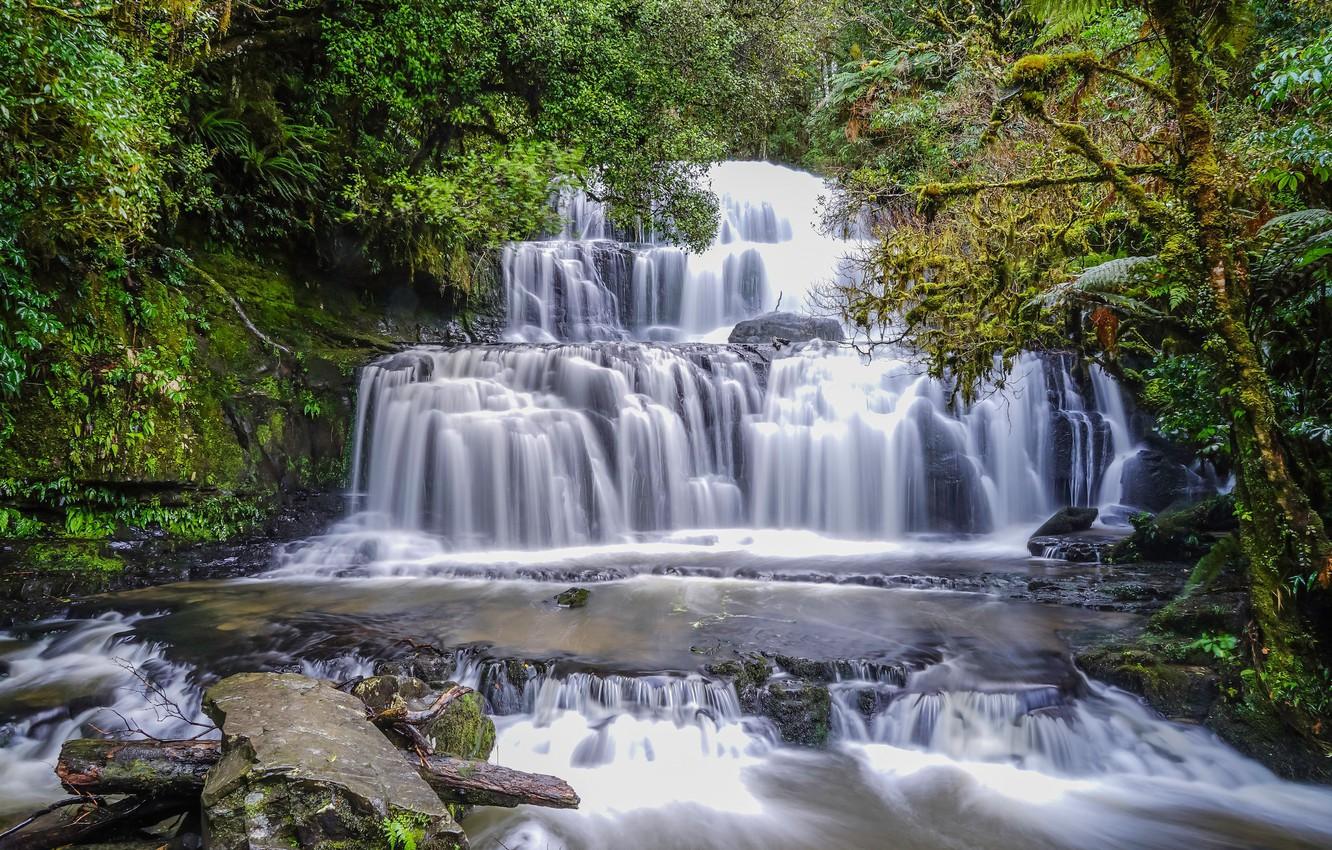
(991, 265)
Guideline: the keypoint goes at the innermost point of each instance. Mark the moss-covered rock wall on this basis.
(191, 396)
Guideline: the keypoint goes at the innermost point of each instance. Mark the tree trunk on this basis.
(1280, 531)
(479, 783)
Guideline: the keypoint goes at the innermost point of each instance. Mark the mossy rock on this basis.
(1185, 534)
(801, 710)
(1179, 691)
(462, 729)
(574, 597)
(302, 767)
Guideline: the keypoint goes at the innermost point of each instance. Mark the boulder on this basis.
(1152, 481)
(1067, 521)
(790, 327)
(301, 766)
(462, 729)
(1078, 548)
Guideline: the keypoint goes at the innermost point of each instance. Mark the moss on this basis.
(79, 556)
(463, 729)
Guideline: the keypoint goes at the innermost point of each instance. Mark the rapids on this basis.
(804, 502)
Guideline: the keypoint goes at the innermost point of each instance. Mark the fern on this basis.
(1291, 246)
(1063, 17)
(1119, 284)
(401, 831)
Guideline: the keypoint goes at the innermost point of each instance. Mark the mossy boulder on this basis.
(1185, 534)
(1179, 691)
(302, 767)
(574, 597)
(461, 730)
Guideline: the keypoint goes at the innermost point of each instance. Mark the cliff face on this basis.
(194, 409)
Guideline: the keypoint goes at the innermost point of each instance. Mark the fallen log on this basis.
(154, 768)
(480, 783)
(177, 769)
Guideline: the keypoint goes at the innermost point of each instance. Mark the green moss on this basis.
(71, 557)
(463, 729)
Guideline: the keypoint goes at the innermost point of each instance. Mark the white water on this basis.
(507, 447)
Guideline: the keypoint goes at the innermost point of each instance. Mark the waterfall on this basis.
(598, 424)
(1110, 401)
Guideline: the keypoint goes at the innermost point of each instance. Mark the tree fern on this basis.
(1291, 246)
(1122, 285)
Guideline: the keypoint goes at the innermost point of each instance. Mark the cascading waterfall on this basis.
(589, 283)
(561, 445)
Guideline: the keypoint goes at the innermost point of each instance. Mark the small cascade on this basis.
(1110, 401)
(1033, 727)
(73, 678)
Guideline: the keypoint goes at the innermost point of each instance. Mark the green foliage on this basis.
(1221, 647)
(1294, 97)
(1183, 391)
(403, 831)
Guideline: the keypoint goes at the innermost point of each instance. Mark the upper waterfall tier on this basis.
(591, 282)
(535, 446)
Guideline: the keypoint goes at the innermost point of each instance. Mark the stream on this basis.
(717, 500)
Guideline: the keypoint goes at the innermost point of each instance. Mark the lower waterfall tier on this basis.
(524, 446)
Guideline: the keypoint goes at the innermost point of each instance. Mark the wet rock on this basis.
(1179, 691)
(801, 710)
(1078, 548)
(1184, 534)
(843, 669)
(790, 327)
(1154, 482)
(574, 597)
(302, 767)
(462, 729)
(1067, 521)
(432, 666)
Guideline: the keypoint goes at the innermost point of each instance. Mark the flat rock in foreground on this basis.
(302, 767)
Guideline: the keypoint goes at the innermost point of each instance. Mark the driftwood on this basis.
(176, 769)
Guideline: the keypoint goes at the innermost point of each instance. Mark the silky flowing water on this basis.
(717, 500)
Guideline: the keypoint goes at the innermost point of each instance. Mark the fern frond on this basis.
(1118, 284)
(1287, 248)
(1062, 17)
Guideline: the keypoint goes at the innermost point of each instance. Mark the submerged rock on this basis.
(790, 327)
(574, 597)
(302, 767)
(801, 710)
(1067, 521)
